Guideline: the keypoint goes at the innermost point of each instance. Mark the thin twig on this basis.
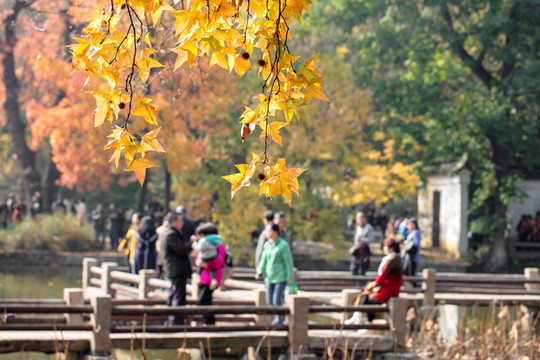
(108, 23)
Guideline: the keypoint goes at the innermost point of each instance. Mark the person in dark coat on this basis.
(177, 265)
(116, 225)
(188, 227)
(145, 252)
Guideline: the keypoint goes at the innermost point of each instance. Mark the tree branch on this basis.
(457, 44)
(514, 16)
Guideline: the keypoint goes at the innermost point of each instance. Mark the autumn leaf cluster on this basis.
(117, 47)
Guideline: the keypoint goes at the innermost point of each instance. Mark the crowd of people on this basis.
(13, 209)
(171, 245)
(405, 230)
(528, 228)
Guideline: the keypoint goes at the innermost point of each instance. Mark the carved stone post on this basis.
(144, 288)
(348, 297)
(73, 296)
(398, 319)
(532, 274)
(101, 323)
(86, 275)
(429, 285)
(107, 268)
(298, 321)
(260, 300)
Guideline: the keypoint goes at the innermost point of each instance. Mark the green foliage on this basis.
(56, 232)
(478, 255)
(454, 76)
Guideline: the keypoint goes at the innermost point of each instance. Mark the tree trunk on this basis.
(142, 193)
(495, 208)
(17, 128)
(167, 190)
(50, 188)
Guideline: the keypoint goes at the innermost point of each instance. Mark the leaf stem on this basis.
(129, 78)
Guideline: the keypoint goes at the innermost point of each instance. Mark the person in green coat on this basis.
(276, 267)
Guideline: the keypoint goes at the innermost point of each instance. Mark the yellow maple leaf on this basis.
(225, 9)
(147, 111)
(116, 157)
(308, 69)
(241, 65)
(139, 166)
(284, 181)
(273, 130)
(239, 179)
(293, 8)
(243, 178)
(181, 58)
(218, 57)
(158, 8)
(183, 20)
(150, 142)
(314, 89)
(103, 110)
(146, 63)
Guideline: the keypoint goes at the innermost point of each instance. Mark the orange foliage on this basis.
(59, 112)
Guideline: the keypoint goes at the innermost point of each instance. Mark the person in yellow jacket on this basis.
(129, 242)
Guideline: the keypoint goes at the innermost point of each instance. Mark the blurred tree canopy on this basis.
(448, 79)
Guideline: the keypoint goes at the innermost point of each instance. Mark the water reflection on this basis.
(37, 283)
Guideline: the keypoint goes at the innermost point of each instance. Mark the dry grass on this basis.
(500, 333)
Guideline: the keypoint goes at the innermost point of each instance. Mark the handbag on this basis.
(411, 249)
(291, 289)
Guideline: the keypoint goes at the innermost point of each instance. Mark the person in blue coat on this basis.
(411, 247)
(145, 252)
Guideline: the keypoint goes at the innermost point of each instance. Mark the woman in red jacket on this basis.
(388, 281)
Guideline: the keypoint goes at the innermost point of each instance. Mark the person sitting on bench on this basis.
(386, 285)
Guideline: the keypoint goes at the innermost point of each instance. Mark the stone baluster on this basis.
(398, 319)
(260, 300)
(429, 285)
(101, 323)
(106, 269)
(348, 298)
(144, 287)
(73, 296)
(298, 321)
(532, 274)
(87, 264)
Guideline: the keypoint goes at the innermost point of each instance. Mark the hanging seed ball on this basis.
(122, 105)
(261, 63)
(261, 177)
(245, 55)
(123, 6)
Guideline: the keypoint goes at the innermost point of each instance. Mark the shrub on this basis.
(49, 232)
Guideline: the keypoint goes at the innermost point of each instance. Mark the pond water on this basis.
(37, 283)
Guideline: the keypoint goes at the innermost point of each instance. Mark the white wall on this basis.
(454, 202)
